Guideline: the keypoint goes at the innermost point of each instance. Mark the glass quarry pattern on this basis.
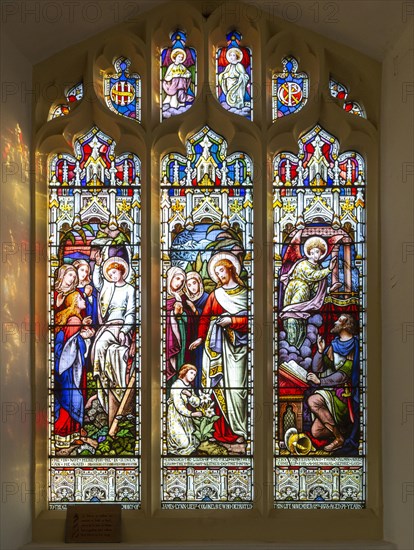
(207, 312)
(320, 323)
(95, 314)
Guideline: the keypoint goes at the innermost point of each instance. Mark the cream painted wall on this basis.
(15, 373)
(397, 210)
(397, 295)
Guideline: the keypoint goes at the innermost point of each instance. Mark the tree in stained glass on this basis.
(178, 76)
(94, 380)
(289, 89)
(207, 309)
(122, 90)
(234, 76)
(320, 323)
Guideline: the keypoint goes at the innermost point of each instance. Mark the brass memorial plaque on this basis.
(93, 523)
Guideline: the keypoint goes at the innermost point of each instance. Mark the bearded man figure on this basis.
(335, 371)
(224, 329)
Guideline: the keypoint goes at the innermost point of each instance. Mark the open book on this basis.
(293, 371)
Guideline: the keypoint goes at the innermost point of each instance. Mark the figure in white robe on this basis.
(113, 340)
(223, 328)
(180, 425)
(234, 79)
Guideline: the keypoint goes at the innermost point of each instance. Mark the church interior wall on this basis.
(20, 413)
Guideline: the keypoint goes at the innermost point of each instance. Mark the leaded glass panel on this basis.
(289, 89)
(207, 339)
(95, 317)
(178, 76)
(320, 325)
(122, 90)
(234, 76)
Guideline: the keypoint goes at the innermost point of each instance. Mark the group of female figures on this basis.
(94, 315)
(206, 344)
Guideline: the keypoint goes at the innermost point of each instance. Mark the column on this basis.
(190, 484)
(189, 223)
(223, 484)
(347, 268)
(300, 224)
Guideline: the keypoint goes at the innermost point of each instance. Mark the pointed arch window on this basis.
(191, 345)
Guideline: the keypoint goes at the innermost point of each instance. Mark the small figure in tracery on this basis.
(234, 76)
(178, 76)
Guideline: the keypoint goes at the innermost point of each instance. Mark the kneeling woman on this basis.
(180, 425)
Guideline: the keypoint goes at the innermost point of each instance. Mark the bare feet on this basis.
(337, 443)
(90, 401)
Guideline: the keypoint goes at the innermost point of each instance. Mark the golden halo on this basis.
(110, 262)
(315, 242)
(238, 52)
(176, 51)
(221, 256)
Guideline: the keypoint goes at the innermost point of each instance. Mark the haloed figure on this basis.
(306, 290)
(72, 340)
(180, 313)
(194, 289)
(66, 282)
(234, 79)
(223, 328)
(87, 290)
(177, 81)
(114, 339)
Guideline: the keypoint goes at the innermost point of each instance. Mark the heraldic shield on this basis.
(289, 89)
(122, 90)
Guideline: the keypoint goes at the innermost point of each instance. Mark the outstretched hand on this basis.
(195, 344)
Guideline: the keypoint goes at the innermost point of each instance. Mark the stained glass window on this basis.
(354, 108)
(234, 76)
(340, 91)
(58, 110)
(320, 325)
(75, 93)
(337, 89)
(178, 76)
(95, 315)
(207, 312)
(122, 90)
(72, 95)
(289, 89)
